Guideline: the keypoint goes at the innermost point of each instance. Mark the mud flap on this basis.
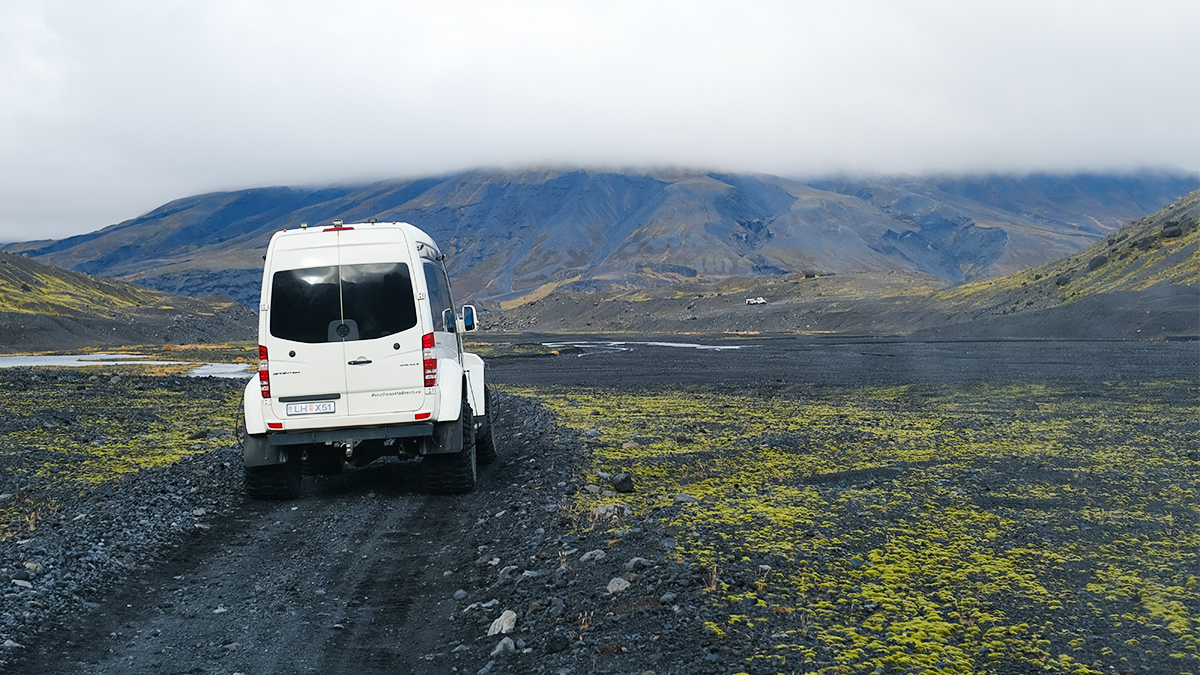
(447, 439)
(257, 452)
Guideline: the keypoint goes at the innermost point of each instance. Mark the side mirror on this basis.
(469, 323)
(448, 324)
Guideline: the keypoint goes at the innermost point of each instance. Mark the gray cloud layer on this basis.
(109, 109)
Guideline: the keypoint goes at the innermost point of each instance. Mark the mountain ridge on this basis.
(516, 234)
(1139, 282)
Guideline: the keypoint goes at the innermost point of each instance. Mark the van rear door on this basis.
(307, 368)
(382, 352)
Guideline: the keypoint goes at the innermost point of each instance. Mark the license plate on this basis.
(318, 408)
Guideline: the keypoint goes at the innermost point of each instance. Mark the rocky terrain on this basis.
(764, 541)
(668, 499)
(99, 561)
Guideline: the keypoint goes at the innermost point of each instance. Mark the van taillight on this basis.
(264, 374)
(430, 362)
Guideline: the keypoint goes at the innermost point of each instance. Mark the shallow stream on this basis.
(235, 370)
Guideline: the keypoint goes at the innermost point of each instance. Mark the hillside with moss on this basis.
(1141, 282)
(29, 287)
(47, 308)
(1162, 248)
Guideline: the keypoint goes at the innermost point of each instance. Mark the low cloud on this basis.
(108, 110)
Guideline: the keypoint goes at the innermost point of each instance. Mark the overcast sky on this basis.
(110, 109)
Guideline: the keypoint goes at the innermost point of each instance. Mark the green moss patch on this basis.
(931, 529)
(62, 432)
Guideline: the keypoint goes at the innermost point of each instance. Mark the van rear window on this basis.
(375, 299)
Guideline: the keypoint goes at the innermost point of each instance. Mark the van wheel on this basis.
(485, 445)
(275, 481)
(454, 474)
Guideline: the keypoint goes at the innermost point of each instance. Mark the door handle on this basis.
(359, 362)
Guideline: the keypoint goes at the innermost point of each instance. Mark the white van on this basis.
(360, 357)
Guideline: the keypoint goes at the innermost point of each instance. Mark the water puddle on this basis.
(589, 347)
(236, 370)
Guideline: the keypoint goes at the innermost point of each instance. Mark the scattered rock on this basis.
(637, 563)
(685, 498)
(622, 482)
(593, 556)
(460, 594)
(505, 624)
(506, 646)
(617, 585)
(557, 643)
(612, 512)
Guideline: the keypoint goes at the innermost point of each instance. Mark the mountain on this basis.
(47, 308)
(514, 236)
(1140, 282)
(1001, 224)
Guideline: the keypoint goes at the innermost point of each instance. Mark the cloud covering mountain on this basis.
(107, 109)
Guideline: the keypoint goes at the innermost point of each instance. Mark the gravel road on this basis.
(366, 573)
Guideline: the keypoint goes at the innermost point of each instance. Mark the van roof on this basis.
(413, 233)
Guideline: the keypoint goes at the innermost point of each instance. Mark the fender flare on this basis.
(476, 373)
(257, 452)
(252, 407)
(450, 390)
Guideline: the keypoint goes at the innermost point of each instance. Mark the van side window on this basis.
(439, 296)
(378, 298)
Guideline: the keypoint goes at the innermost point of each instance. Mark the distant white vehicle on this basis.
(760, 300)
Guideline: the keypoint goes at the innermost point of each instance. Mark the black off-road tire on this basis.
(275, 481)
(454, 474)
(485, 445)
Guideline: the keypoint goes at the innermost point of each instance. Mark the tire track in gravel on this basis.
(341, 580)
(382, 631)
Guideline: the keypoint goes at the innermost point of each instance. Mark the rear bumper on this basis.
(349, 434)
(269, 449)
